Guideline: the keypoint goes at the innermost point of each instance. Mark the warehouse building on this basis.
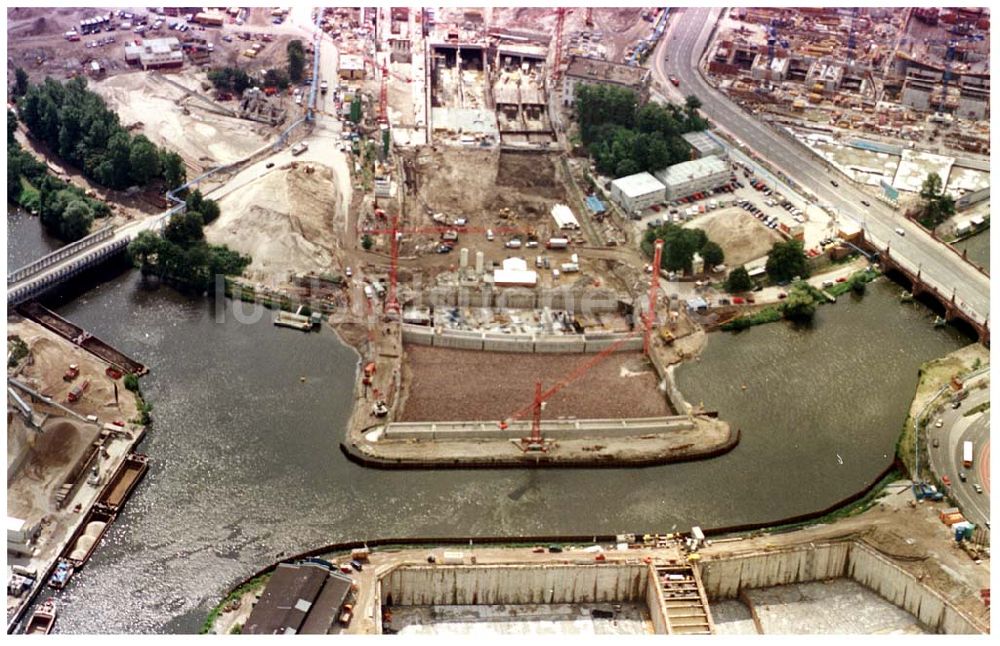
(155, 53)
(636, 193)
(702, 144)
(300, 598)
(593, 71)
(695, 176)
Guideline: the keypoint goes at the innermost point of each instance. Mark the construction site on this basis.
(872, 91)
(854, 576)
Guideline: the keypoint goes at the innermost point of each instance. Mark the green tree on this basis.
(356, 110)
(144, 161)
(209, 211)
(739, 281)
(11, 128)
(76, 220)
(800, 305)
(174, 170)
(20, 82)
(275, 77)
(194, 200)
(366, 242)
(184, 229)
(937, 207)
(712, 254)
(786, 260)
(143, 250)
(931, 188)
(296, 60)
(692, 103)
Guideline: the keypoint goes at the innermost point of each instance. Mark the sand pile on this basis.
(202, 138)
(284, 220)
(741, 237)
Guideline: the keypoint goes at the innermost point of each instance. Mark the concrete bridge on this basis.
(34, 279)
(955, 310)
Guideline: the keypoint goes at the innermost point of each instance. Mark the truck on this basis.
(557, 243)
(569, 267)
(300, 148)
(967, 454)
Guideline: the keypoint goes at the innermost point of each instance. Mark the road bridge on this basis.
(679, 54)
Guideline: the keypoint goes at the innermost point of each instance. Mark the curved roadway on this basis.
(683, 44)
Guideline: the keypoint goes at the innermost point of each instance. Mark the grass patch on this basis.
(17, 349)
(768, 314)
(250, 586)
(975, 410)
(856, 282)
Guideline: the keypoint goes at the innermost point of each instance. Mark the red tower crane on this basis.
(560, 17)
(383, 99)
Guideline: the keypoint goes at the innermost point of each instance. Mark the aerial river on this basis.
(246, 464)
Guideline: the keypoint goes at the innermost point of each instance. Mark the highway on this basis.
(683, 44)
(946, 457)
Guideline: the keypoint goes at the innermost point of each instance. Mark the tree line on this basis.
(64, 209)
(182, 255)
(624, 137)
(76, 125)
(680, 244)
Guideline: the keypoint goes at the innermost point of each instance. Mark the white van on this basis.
(489, 235)
(900, 231)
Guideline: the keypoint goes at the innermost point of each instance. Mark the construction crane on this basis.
(952, 47)
(560, 18)
(395, 231)
(589, 20)
(535, 441)
(383, 99)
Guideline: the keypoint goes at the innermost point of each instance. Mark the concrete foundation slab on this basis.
(837, 606)
(544, 619)
(731, 617)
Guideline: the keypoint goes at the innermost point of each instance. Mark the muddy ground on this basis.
(445, 384)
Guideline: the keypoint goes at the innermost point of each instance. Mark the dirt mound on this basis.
(284, 220)
(201, 138)
(741, 237)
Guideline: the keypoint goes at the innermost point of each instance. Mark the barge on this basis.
(88, 535)
(124, 481)
(80, 337)
(42, 619)
(295, 321)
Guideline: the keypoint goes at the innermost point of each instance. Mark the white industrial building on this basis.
(635, 193)
(564, 218)
(515, 273)
(155, 52)
(695, 176)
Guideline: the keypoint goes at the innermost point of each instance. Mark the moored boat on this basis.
(42, 619)
(60, 577)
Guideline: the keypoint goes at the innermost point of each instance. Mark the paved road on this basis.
(684, 43)
(946, 458)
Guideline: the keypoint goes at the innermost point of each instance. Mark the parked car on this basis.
(834, 183)
(978, 488)
(865, 202)
(962, 476)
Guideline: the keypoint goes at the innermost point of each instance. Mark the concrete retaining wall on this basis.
(655, 604)
(527, 343)
(724, 579)
(555, 429)
(728, 577)
(589, 300)
(514, 584)
(901, 588)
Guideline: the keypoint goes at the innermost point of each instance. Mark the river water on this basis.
(978, 248)
(246, 463)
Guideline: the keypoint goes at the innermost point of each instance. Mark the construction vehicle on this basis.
(71, 373)
(380, 409)
(369, 373)
(77, 391)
